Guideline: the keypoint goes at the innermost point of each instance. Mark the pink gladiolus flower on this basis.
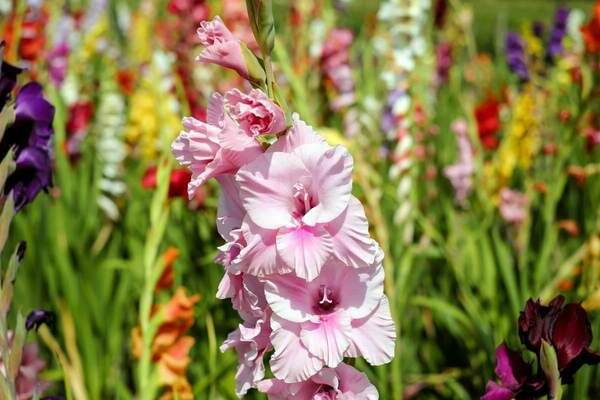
(227, 140)
(513, 206)
(221, 47)
(251, 342)
(343, 382)
(343, 312)
(311, 216)
(254, 112)
(28, 382)
(460, 174)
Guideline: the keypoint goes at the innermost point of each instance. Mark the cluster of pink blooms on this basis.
(513, 206)
(300, 266)
(460, 174)
(335, 59)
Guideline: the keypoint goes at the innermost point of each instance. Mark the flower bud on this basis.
(263, 25)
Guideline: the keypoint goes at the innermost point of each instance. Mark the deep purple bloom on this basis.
(8, 79)
(440, 12)
(516, 378)
(538, 29)
(558, 32)
(37, 318)
(29, 135)
(515, 56)
(566, 327)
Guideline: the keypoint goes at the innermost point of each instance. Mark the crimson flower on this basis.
(487, 115)
(177, 185)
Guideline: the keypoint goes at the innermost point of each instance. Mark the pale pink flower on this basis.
(343, 312)
(28, 382)
(513, 206)
(251, 342)
(300, 206)
(254, 112)
(227, 140)
(221, 47)
(460, 174)
(340, 383)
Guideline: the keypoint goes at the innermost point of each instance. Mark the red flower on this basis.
(487, 115)
(591, 31)
(32, 37)
(177, 185)
(80, 115)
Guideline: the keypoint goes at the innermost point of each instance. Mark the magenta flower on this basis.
(221, 47)
(342, 382)
(343, 312)
(516, 378)
(312, 215)
(227, 140)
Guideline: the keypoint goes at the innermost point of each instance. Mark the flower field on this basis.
(275, 199)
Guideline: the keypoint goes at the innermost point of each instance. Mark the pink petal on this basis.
(291, 362)
(259, 257)
(304, 249)
(327, 339)
(226, 54)
(362, 291)
(214, 111)
(374, 337)
(299, 134)
(289, 297)
(354, 384)
(331, 171)
(351, 241)
(266, 188)
(230, 212)
(237, 148)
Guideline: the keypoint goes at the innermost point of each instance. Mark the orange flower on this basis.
(569, 226)
(32, 39)
(170, 347)
(166, 279)
(591, 31)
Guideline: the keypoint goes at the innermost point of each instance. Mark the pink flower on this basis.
(341, 313)
(311, 215)
(221, 47)
(227, 140)
(342, 383)
(513, 206)
(251, 342)
(27, 382)
(254, 112)
(460, 174)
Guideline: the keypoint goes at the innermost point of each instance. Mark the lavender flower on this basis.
(558, 32)
(515, 56)
(513, 206)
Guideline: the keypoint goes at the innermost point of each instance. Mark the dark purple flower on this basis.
(8, 79)
(29, 135)
(515, 56)
(36, 318)
(440, 12)
(558, 32)
(566, 327)
(516, 378)
(538, 29)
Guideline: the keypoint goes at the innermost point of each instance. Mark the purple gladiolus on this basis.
(558, 32)
(58, 61)
(8, 79)
(29, 135)
(515, 56)
(516, 378)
